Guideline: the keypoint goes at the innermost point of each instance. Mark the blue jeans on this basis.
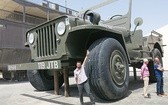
(85, 86)
(159, 85)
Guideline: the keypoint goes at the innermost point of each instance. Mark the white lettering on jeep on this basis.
(48, 65)
(41, 65)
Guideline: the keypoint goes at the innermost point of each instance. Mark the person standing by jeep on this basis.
(145, 76)
(159, 76)
(82, 80)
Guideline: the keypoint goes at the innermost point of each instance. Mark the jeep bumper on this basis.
(50, 65)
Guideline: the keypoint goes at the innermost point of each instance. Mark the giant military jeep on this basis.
(113, 47)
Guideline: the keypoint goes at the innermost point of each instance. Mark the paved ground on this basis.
(22, 93)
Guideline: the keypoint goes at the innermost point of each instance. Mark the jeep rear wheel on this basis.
(155, 53)
(42, 80)
(108, 69)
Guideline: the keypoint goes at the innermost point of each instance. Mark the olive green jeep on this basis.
(113, 47)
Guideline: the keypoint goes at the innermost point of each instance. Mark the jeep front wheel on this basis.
(42, 80)
(108, 69)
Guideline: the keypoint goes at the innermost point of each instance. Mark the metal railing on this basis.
(59, 8)
(18, 17)
(52, 10)
(65, 10)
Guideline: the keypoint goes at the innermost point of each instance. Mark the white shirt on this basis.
(80, 75)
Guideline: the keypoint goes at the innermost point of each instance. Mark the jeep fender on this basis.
(81, 37)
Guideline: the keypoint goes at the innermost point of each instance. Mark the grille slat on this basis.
(47, 44)
(54, 39)
(46, 41)
(38, 43)
(50, 34)
(41, 43)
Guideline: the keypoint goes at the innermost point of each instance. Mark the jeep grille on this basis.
(46, 41)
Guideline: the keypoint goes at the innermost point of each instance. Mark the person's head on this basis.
(156, 60)
(145, 61)
(78, 64)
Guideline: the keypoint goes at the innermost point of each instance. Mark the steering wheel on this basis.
(115, 16)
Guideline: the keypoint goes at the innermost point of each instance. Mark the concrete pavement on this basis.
(22, 93)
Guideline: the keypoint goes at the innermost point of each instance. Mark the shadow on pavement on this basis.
(47, 100)
(133, 85)
(9, 82)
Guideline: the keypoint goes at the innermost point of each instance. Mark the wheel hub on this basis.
(118, 68)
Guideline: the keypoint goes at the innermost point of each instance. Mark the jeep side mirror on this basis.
(138, 21)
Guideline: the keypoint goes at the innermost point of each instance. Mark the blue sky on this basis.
(153, 12)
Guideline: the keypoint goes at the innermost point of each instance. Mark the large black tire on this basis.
(107, 69)
(42, 81)
(6, 75)
(155, 53)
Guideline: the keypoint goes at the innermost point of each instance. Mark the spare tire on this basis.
(42, 81)
(108, 69)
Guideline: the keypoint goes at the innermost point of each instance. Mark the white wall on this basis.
(164, 32)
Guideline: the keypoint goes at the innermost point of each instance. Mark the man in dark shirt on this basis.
(159, 76)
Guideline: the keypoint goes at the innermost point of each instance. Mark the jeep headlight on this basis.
(61, 28)
(31, 38)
